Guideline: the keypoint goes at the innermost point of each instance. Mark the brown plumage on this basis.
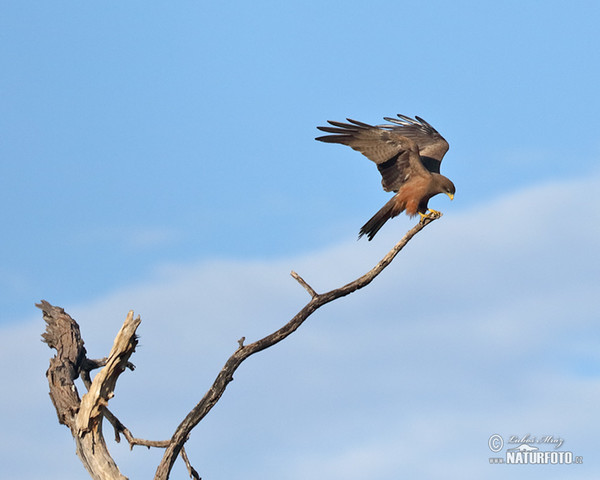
(408, 153)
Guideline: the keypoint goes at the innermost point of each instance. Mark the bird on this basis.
(408, 153)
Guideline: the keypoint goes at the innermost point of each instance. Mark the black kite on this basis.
(408, 155)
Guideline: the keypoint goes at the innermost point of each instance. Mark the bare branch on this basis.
(84, 416)
(62, 334)
(90, 364)
(103, 385)
(193, 473)
(225, 376)
(302, 282)
(117, 425)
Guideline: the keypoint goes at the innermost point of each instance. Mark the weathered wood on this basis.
(103, 385)
(243, 352)
(62, 334)
(84, 417)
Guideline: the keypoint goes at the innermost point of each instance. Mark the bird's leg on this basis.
(430, 214)
(423, 216)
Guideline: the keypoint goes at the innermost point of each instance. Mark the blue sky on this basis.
(146, 147)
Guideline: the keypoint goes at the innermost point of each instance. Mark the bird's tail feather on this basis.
(389, 210)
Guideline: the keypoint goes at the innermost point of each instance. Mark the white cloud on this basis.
(484, 324)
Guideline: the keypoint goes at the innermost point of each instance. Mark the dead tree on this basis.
(84, 416)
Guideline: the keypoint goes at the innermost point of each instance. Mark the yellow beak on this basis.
(451, 195)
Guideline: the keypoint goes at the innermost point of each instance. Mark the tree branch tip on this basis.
(304, 284)
(191, 470)
(241, 342)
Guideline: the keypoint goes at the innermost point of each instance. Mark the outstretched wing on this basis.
(396, 155)
(432, 146)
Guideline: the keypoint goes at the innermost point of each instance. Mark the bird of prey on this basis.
(408, 153)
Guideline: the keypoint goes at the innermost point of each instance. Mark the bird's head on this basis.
(448, 187)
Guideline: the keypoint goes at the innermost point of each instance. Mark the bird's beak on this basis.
(451, 195)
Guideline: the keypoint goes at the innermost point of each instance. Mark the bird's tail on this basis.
(389, 210)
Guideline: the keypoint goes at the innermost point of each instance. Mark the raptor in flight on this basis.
(408, 153)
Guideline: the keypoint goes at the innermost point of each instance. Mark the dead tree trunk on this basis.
(84, 415)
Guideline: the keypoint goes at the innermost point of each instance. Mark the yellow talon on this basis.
(430, 214)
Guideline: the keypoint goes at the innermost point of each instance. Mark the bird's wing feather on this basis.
(396, 155)
(432, 146)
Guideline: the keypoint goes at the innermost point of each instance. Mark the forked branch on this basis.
(244, 351)
(84, 416)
